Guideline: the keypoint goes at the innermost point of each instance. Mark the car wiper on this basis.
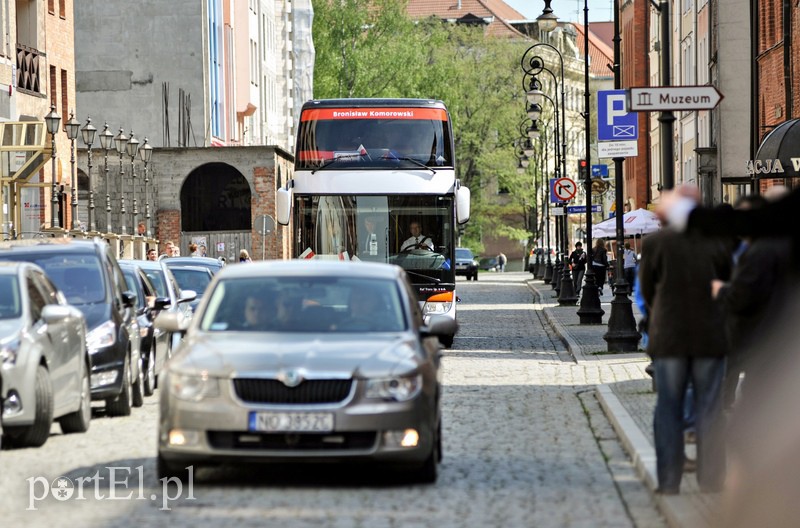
(328, 163)
(431, 279)
(416, 162)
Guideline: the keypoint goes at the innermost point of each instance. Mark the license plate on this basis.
(294, 422)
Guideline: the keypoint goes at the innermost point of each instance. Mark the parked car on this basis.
(466, 263)
(213, 265)
(43, 357)
(170, 297)
(305, 360)
(488, 264)
(153, 341)
(90, 278)
(192, 278)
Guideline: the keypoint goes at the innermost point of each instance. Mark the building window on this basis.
(53, 91)
(62, 8)
(51, 7)
(64, 97)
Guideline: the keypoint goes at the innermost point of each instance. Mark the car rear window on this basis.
(77, 275)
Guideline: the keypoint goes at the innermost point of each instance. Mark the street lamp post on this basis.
(132, 148)
(72, 127)
(88, 132)
(52, 120)
(146, 152)
(621, 335)
(121, 140)
(589, 311)
(106, 141)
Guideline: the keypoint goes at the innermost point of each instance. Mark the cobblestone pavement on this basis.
(526, 444)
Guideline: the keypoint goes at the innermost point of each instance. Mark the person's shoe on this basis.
(690, 437)
(667, 491)
(689, 465)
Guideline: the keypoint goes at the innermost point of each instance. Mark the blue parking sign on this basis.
(614, 122)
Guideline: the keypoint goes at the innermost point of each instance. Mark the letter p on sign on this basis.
(615, 107)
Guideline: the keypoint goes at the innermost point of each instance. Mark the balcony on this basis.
(28, 69)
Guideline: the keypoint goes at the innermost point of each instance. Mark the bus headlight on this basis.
(432, 308)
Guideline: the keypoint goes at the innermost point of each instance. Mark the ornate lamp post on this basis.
(146, 152)
(590, 311)
(106, 141)
(622, 335)
(52, 120)
(132, 148)
(88, 132)
(121, 140)
(72, 127)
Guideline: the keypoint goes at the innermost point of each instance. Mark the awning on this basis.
(24, 149)
(779, 153)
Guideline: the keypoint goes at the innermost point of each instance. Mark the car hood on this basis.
(95, 314)
(242, 354)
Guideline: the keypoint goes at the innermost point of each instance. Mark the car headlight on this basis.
(8, 351)
(193, 387)
(400, 388)
(103, 336)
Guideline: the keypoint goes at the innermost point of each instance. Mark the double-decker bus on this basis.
(375, 180)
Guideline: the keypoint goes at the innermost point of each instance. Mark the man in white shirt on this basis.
(417, 240)
(629, 264)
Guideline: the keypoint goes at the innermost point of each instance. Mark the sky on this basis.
(570, 10)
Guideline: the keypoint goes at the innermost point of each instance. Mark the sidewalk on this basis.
(629, 405)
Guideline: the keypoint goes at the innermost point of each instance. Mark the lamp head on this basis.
(52, 120)
(72, 126)
(120, 140)
(88, 132)
(133, 146)
(146, 152)
(106, 138)
(547, 21)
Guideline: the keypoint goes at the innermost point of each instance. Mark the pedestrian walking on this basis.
(686, 345)
(600, 263)
(629, 261)
(577, 260)
(501, 262)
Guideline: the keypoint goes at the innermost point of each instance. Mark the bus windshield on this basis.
(412, 231)
(370, 138)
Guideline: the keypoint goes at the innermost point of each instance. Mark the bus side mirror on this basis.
(462, 204)
(283, 206)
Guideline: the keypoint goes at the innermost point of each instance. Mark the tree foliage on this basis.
(378, 51)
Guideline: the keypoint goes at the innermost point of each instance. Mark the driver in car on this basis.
(417, 240)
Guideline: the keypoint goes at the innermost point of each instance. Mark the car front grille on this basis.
(255, 390)
(356, 441)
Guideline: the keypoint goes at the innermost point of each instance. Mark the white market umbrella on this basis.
(638, 222)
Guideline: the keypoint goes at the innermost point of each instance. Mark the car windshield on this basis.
(305, 304)
(10, 304)
(77, 275)
(158, 280)
(196, 280)
(464, 254)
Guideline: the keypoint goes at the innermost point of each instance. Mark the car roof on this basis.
(15, 268)
(204, 261)
(199, 269)
(294, 268)
(50, 245)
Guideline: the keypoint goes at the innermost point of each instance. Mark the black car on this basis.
(154, 343)
(466, 263)
(169, 297)
(90, 278)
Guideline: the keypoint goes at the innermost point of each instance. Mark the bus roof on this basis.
(371, 103)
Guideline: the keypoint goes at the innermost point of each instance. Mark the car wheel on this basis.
(429, 471)
(447, 341)
(168, 470)
(138, 386)
(35, 435)
(121, 405)
(78, 422)
(150, 375)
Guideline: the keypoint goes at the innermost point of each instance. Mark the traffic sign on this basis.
(614, 121)
(599, 171)
(668, 98)
(562, 189)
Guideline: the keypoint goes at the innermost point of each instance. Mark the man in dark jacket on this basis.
(578, 261)
(686, 342)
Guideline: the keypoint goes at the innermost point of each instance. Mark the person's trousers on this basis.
(672, 377)
(599, 275)
(577, 280)
(630, 276)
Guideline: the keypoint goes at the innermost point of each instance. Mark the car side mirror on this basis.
(161, 303)
(54, 313)
(171, 322)
(128, 299)
(187, 296)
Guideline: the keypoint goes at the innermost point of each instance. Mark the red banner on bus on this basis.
(320, 114)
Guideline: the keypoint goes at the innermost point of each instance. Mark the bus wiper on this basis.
(329, 162)
(431, 279)
(417, 162)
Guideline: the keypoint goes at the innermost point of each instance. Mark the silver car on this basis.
(304, 361)
(43, 356)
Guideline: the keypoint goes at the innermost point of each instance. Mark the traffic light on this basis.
(583, 169)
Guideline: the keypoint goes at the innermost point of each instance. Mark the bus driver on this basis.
(417, 240)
